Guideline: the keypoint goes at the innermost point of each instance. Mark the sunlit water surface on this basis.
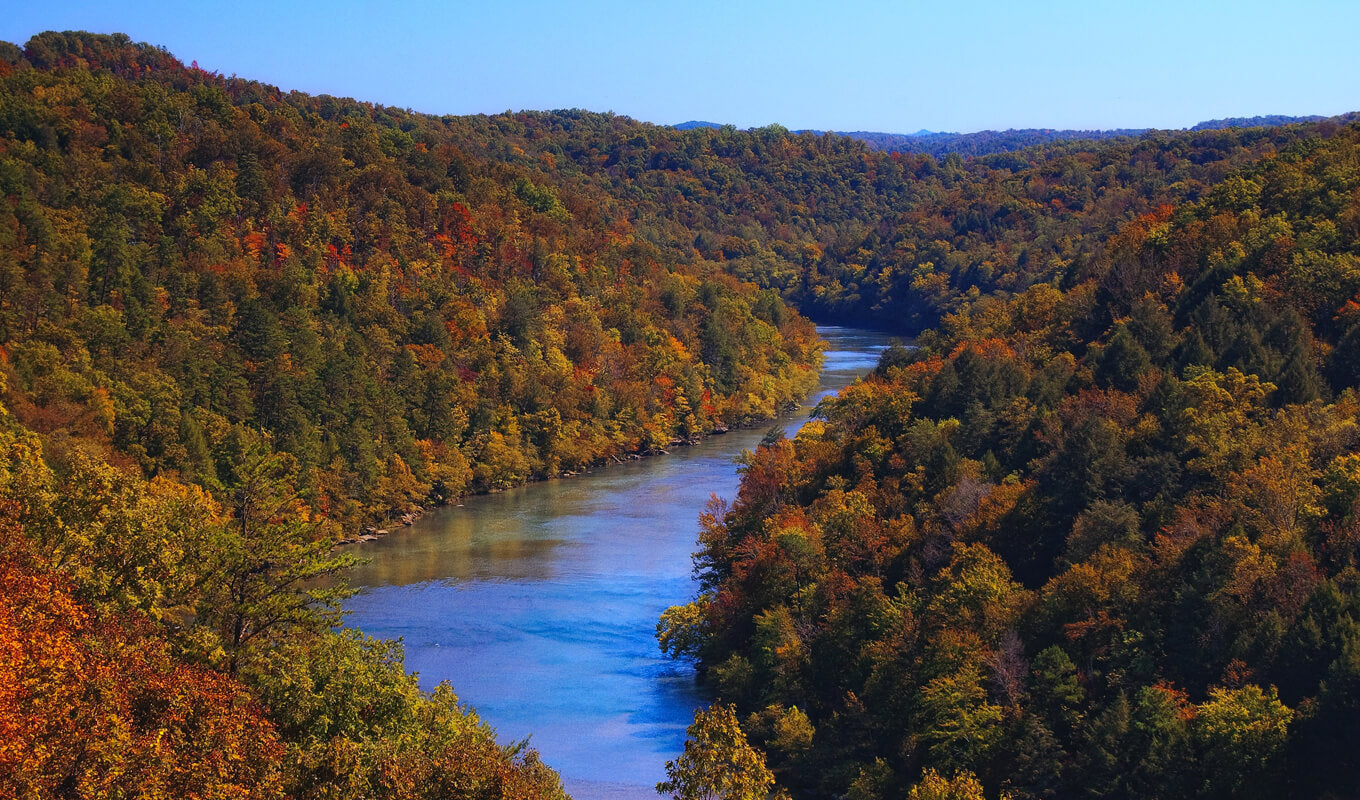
(540, 604)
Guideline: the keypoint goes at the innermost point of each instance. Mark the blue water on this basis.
(540, 604)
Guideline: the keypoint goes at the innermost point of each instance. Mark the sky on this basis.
(943, 65)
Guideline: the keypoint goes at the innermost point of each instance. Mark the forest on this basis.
(405, 314)
(1094, 536)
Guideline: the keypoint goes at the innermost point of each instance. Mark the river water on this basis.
(540, 604)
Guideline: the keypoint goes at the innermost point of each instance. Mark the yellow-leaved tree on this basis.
(717, 763)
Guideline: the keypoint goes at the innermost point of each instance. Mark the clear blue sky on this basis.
(956, 65)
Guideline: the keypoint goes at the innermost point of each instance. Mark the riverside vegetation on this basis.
(1097, 536)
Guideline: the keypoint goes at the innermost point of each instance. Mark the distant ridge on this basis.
(1268, 120)
(989, 142)
(980, 143)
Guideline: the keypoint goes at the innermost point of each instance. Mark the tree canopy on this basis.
(1096, 535)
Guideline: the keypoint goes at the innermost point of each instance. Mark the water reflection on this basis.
(539, 604)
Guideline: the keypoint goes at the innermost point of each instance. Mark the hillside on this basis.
(1094, 538)
(236, 324)
(845, 233)
(407, 313)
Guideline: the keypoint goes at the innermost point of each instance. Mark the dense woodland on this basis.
(187, 254)
(893, 240)
(1096, 536)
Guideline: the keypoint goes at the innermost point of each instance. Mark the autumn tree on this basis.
(97, 706)
(717, 763)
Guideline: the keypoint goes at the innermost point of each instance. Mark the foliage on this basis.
(97, 706)
(934, 786)
(410, 311)
(122, 597)
(717, 763)
(357, 725)
(262, 572)
(1096, 535)
(680, 630)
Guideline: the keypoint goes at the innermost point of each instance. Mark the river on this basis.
(540, 604)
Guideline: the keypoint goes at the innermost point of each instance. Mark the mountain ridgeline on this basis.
(1097, 536)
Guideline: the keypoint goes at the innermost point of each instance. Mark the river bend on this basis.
(539, 604)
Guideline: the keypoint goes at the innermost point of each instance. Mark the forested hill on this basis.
(403, 303)
(1098, 537)
(1257, 121)
(417, 306)
(893, 240)
(229, 330)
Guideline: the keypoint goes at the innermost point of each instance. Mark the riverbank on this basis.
(373, 533)
(539, 603)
